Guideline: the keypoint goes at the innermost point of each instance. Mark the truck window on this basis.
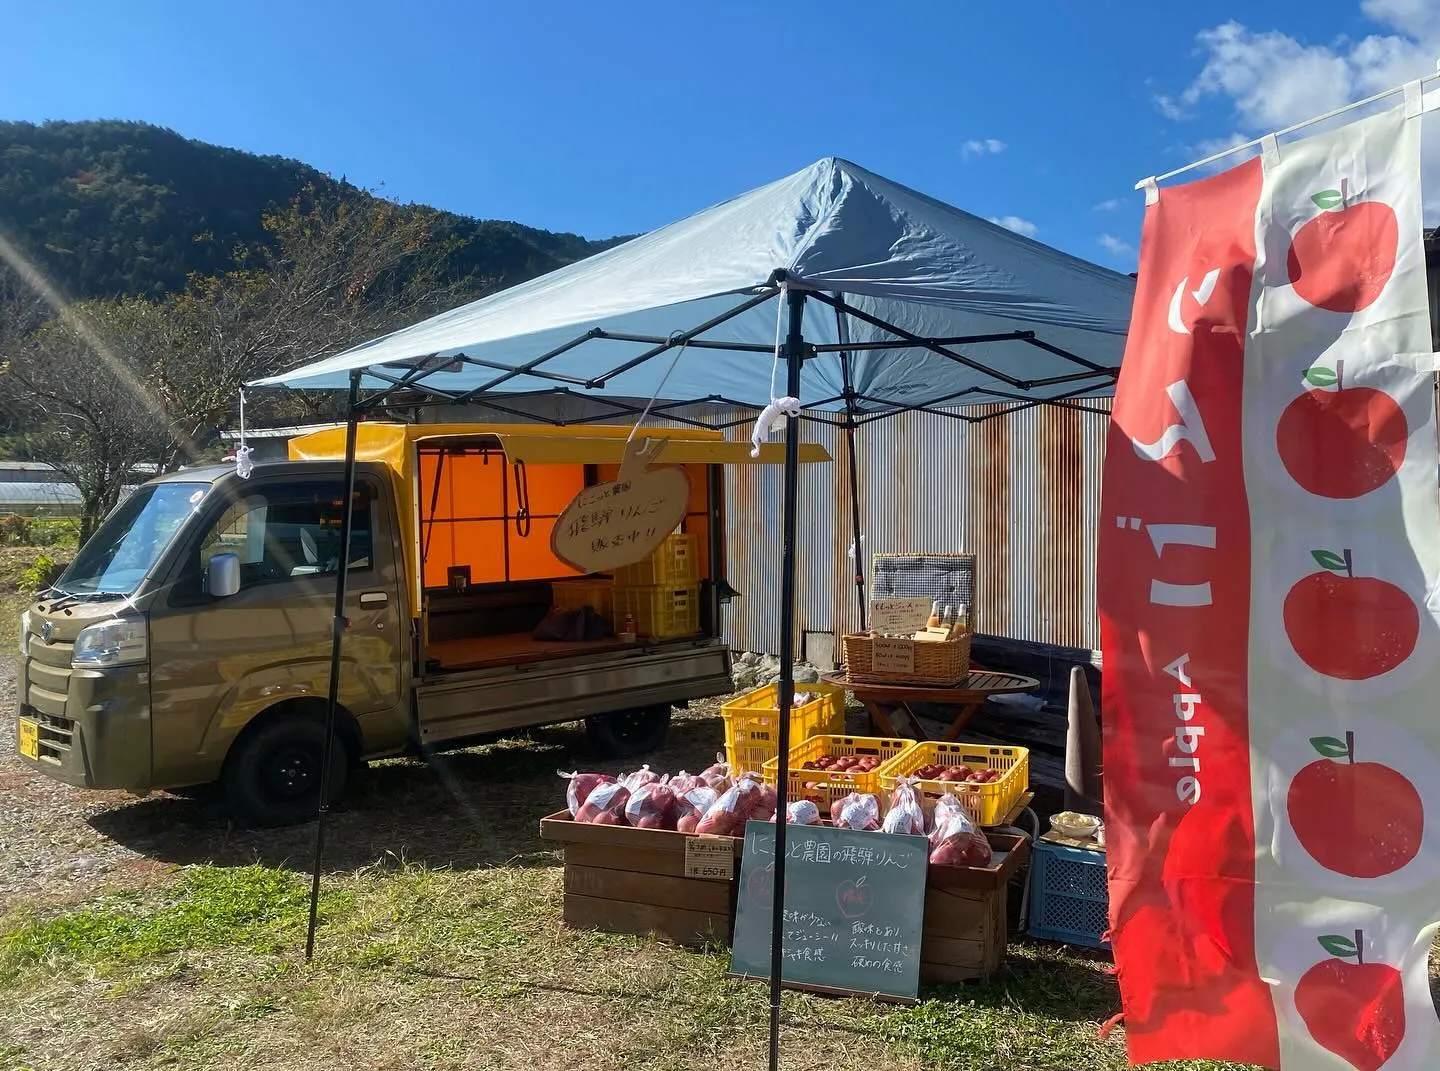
(288, 531)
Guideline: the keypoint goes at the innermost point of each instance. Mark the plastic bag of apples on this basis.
(955, 840)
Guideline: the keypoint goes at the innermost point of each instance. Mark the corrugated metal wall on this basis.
(1021, 492)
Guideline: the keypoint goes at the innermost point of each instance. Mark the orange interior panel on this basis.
(474, 516)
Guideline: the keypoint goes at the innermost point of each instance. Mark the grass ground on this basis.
(427, 968)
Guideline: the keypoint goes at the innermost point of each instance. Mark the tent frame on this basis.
(859, 410)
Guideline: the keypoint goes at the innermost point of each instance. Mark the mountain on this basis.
(110, 208)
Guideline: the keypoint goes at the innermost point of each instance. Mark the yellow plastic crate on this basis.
(827, 786)
(659, 612)
(986, 804)
(672, 564)
(752, 722)
(573, 594)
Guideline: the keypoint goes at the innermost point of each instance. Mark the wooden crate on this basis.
(966, 930)
(625, 880)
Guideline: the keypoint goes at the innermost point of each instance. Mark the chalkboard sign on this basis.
(854, 906)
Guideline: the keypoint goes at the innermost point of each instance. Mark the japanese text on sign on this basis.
(900, 615)
(712, 858)
(620, 522)
(892, 656)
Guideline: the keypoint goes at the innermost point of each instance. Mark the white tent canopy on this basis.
(912, 303)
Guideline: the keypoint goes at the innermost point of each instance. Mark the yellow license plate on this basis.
(29, 739)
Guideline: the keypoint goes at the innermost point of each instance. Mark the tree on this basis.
(84, 381)
(109, 385)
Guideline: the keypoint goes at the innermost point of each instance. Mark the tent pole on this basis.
(843, 332)
(794, 356)
(347, 523)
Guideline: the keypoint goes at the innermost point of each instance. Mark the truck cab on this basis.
(189, 641)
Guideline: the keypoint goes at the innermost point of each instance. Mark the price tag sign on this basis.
(710, 857)
(892, 656)
(899, 615)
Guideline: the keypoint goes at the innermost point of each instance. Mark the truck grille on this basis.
(56, 734)
(47, 676)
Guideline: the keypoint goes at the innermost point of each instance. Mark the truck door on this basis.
(218, 662)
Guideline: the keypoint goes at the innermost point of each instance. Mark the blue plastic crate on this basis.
(1069, 900)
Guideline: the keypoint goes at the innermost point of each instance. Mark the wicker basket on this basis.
(940, 663)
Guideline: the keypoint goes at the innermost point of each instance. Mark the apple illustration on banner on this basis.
(1349, 627)
(1342, 259)
(1343, 442)
(1361, 819)
(1355, 1010)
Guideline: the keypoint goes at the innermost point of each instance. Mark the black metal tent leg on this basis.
(347, 524)
(842, 328)
(855, 520)
(794, 347)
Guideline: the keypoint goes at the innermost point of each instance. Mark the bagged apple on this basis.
(605, 806)
(769, 799)
(581, 785)
(859, 810)
(801, 813)
(740, 803)
(652, 806)
(719, 776)
(642, 776)
(906, 815)
(683, 782)
(691, 806)
(947, 806)
(956, 842)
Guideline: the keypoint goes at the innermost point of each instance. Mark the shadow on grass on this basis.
(461, 810)
(1047, 984)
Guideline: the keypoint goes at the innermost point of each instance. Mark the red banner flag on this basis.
(1268, 572)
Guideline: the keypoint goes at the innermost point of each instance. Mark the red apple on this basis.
(1356, 1010)
(1357, 818)
(1342, 259)
(1349, 627)
(1341, 443)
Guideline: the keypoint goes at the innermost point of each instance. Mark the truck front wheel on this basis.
(628, 733)
(273, 776)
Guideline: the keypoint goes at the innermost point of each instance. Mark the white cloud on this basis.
(1016, 224)
(1116, 247)
(1170, 108)
(982, 147)
(1271, 80)
(1109, 206)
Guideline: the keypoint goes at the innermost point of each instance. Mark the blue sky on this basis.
(605, 118)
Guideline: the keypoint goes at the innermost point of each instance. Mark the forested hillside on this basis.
(110, 208)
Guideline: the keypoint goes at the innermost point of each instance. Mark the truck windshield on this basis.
(126, 547)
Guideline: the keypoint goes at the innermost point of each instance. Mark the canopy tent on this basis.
(917, 304)
(887, 301)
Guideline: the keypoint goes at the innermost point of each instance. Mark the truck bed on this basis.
(517, 648)
(560, 682)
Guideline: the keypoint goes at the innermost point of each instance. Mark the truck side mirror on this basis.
(223, 576)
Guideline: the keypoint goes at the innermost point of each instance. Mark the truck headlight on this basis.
(121, 642)
(25, 621)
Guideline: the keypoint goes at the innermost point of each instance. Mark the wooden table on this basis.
(887, 703)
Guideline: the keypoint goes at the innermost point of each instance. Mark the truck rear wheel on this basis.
(273, 776)
(627, 733)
